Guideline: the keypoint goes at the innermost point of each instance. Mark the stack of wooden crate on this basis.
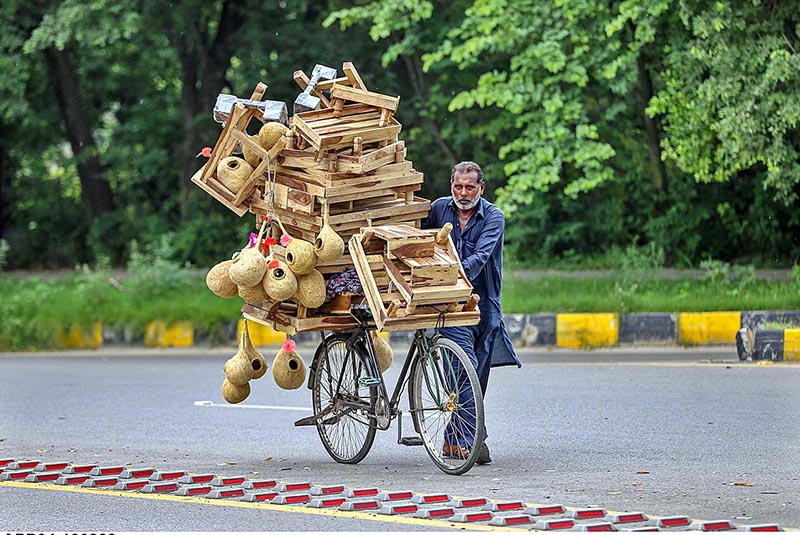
(344, 165)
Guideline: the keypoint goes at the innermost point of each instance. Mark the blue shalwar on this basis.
(480, 247)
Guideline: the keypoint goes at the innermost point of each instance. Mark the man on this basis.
(478, 227)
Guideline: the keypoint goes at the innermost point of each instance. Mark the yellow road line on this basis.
(266, 506)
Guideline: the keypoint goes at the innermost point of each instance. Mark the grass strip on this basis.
(34, 308)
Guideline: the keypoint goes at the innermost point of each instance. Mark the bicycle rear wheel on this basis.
(447, 406)
(340, 402)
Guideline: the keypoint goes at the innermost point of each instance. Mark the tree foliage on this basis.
(665, 124)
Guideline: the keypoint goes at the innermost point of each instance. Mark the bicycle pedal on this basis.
(368, 381)
(411, 441)
(308, 420)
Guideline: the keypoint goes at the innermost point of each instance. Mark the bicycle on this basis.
(351, 402)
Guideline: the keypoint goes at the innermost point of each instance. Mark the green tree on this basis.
(404, 32)
(730, 100)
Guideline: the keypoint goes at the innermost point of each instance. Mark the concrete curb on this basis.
(573, 330)
(768, 344)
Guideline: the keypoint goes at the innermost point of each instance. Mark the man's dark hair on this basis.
(466, 167)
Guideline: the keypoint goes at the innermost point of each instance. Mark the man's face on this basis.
(466, 190)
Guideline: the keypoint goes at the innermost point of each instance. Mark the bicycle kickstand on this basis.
(413, 440)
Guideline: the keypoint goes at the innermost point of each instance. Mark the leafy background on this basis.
(668, 127)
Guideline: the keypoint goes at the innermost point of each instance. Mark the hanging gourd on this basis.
(383, 351)
(248, 267)
(219, 282)
(328, 246)
(288, 368)
(235, 393)
(311, 289)
(300, 256)
(279, 282)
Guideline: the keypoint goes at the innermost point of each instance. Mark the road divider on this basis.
(159, 333)
(567, 330)
(768, 344)
(587, 330)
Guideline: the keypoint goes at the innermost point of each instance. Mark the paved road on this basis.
(665, 431)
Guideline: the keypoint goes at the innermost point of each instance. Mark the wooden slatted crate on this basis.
(235, 133)
(407, 303)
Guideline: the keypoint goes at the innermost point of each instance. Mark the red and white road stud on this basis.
(398, 509)
(107, 470)
(167, 476)
(79, 469)
(761, 527)
(259, 484)
(22, 465)
(587, 514)
(293, 487)
(329, 490)
(468, 502)
(137, 473)
(440, 512)
(226, 493)
(712, 525)
(292, 499)
(133, 484)
(324, 503)
(625, 518)
(109, 481)
(69, 479)
(51, 467)
(158, 488)
(194, 490)
(551, 524)
(395, 496)
(544, 510)
(431, 498)
(196, 479)
(365, 505)
(504, 506)
(42, 477)
(480, 516)
(360, 493)
(227, 481)
(512, 520)
(15, 475)
(595, 526)
(259, 496)
(6, 462)
(670, 522)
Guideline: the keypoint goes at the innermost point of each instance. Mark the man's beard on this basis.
(467, 204)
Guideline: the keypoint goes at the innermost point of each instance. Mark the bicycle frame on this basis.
(362, 335)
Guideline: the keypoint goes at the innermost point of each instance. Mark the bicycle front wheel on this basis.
(341, 402)
(447, 406)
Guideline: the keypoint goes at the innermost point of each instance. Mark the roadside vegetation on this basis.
(155, 287)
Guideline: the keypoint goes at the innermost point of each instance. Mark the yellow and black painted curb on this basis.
(768, 344)
(567, 330)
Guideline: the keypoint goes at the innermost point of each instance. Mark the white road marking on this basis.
(262, 407)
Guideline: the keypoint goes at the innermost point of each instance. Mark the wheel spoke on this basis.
(347, 432)
(443, 406)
